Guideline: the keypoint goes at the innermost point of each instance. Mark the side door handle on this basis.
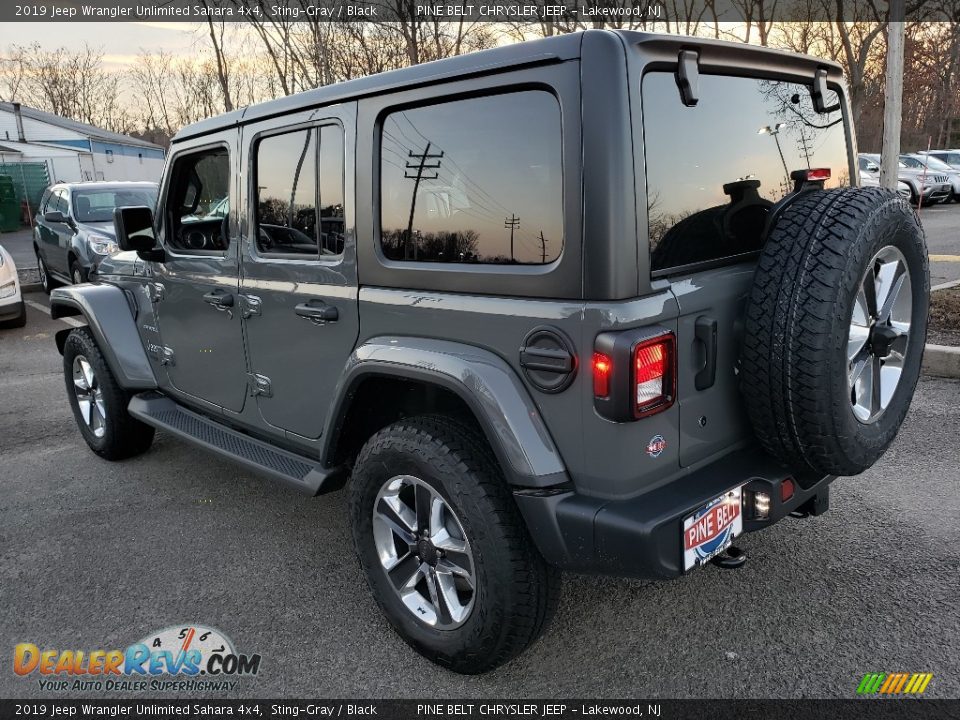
(219, 299)
(705, 332)
(317, 312)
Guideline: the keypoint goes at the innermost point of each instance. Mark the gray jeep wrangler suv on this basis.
(599, 302)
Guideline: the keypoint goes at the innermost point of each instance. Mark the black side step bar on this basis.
(299, 472)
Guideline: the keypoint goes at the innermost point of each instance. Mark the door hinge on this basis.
(259, 385)
(167, 357)
(156, 292)
(250, 305)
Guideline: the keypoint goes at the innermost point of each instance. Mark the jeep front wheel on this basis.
(99, 404)
(444, 550)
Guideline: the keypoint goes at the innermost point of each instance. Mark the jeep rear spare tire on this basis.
(835, 329)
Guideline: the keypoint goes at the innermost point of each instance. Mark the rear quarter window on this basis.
(714, 170)
(477, 180)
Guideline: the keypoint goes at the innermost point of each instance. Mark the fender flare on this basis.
(111, 317)
(484, 381)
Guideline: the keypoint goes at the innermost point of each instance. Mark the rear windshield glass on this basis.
(714, 170)
(98, 205)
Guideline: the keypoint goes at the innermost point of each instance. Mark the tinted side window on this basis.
(713, 170)
(473, 181)
(287, 194)
(198, 204)
(331, 190)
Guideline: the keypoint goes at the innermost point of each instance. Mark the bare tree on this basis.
(71, 84)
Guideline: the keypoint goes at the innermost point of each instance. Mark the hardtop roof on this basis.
(545, 50)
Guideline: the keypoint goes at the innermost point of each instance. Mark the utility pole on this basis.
(512, 222)
(893, 97)
(543, 248)
(419, 163)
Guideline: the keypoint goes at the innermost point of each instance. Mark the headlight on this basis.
(8, 289)
(102, 245)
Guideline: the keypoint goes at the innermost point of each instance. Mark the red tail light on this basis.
(818, 174)
(601, 375)
(654, 385)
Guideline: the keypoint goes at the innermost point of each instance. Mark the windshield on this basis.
(935, 164)
(98, 205)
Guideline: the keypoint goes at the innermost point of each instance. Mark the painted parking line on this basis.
(945, 258)
(73, 322)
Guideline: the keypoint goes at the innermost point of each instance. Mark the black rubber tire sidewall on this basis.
(505, 619)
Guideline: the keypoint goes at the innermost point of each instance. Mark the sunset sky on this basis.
(120, 42)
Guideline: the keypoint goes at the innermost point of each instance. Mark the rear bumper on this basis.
(641, 537)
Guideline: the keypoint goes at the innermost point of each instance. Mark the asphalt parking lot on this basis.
(97, 555)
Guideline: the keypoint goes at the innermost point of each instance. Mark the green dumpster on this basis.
(9, 205)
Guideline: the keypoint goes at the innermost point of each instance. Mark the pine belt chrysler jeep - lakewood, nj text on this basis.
(599, 302)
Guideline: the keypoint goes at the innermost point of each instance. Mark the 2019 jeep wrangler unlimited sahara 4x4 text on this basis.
(599, 302)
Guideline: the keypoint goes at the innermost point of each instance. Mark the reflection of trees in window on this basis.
(791, 102)
(460, 246)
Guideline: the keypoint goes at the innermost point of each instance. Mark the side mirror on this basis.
(134, 228)
(54, 216)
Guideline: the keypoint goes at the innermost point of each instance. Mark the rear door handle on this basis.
(317, 312)
(705, 331)
(219, 299)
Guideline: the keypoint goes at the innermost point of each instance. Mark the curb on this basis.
(941, 361)
(945, 286)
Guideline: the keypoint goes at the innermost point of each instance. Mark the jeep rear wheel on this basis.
(444, 550)
(835, 329)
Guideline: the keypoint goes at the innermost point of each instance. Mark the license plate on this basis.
(711, 529)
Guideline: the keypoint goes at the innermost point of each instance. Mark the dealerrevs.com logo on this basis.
(188, 657)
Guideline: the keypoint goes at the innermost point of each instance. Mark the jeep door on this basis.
(713, 171)
(299, 272)
(195, 288)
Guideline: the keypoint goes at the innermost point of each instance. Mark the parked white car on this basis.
(868, 179)
(13, 313)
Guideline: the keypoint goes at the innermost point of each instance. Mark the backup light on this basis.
(653, 376)
(761, 505)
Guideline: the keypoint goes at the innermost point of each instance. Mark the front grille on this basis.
(940, 179)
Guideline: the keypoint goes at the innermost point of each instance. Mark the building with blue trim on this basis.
(73, 151)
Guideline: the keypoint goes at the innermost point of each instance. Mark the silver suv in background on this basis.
(935, 168)
(74, 231)
(950, 157)
(931, 187)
